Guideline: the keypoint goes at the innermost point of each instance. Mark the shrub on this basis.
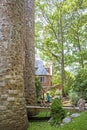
(68, 82)
(73, 97)
(80, 83)
(57, 112)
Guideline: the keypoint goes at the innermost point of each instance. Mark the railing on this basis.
(45, 107)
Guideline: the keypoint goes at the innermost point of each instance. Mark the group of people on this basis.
(45, 101)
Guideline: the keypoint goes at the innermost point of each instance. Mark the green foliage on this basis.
(43, 114)
(57, 112)
(55, 93)
(61, 33)
(56, 79)
(52, 92)
(38, 86)
(79, 123)
(80, 83)
(68, 82)
(73, 97)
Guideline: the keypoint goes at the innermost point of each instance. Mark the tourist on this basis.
(48, 99)
(42, 97)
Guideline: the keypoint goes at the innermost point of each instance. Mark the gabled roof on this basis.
(40, 69)
(38, 63)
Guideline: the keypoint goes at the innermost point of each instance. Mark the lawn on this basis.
(43, 114)
(78, 123)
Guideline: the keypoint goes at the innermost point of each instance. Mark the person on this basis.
(48, 99)
(42, 97)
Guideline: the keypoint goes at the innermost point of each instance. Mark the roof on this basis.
(38, 63)
(40, 69)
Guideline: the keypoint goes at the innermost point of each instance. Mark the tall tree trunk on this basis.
(62, 54)
(12, 104)
(29, 72)
(79, 48)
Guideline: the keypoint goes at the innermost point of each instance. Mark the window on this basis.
(41, 79)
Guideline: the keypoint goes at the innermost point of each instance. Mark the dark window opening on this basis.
(41, 79)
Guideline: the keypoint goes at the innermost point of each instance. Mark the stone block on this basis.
(67, 120)
(2, 117)
(2, 108)
(4, 96)
(12, 91)
(9, 99)
(2, 84)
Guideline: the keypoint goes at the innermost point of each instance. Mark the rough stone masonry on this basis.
(12, 61)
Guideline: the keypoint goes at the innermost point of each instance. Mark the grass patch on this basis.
(78, 123)
(43, 114)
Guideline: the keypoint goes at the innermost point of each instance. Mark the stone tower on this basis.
(29, 72)
(12, 103)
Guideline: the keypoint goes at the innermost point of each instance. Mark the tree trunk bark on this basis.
(62, 55)
(79, 48)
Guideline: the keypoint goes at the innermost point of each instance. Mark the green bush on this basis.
(73, 97)
(68, 82)
(57, 112)
(80, 83)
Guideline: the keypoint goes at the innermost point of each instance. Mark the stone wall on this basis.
(29, 72)
(12, 102)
